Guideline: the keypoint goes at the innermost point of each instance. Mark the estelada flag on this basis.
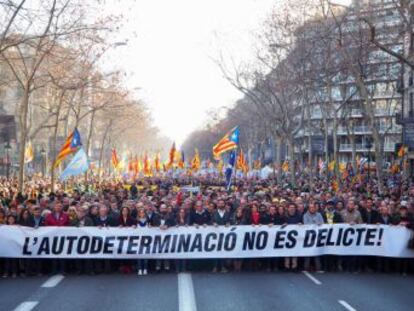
(285, 166)
(321, 165)
(157, 162)
(229, 142)
(130, 164)
(335, 186)
(401, 152)
(220, 166)
(137, 165)
(331, 166)
(147, 166)
(195, 162)
(181, 160)
(114, 159)
(28, 153)
(71, 145)
(342, 167)
(172, 156)
(395, 168)
(241, 163)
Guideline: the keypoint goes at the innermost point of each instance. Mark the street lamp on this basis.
(368, 145)
(43, 154)
(7, 147)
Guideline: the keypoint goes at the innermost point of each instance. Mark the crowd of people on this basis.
(163, 202)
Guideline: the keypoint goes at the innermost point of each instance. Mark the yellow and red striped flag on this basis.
(229, 142)
(147, 166)
(114, 159)
(71, 145)
(285, 166)
(172, 156)
(195, 162)
(401, 151)
(180, 160)
(157, 162)
(241, 163)
(220, 166)
(28, 153)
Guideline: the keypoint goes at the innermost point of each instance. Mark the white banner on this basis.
(205, 242)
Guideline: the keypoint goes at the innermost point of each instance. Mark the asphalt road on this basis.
(210, 292)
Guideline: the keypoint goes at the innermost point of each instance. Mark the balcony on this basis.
(388, 147)
(365, 130)
(362, 129)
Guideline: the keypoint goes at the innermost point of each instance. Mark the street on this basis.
(210, 292)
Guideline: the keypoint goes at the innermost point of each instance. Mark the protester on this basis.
(83, 266)
(352, 216)
(161, 202)
(181, 220)
(293, 217)
(220, 217)
(103, 220)
(313, 217)
(11, 264)
(57, 218)
(163, 220)
(125, 220)
(142, 222)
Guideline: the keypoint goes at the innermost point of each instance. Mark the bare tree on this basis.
(52, 25)
(357, 51)
(405, 11)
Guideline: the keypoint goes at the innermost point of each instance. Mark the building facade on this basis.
(407, 89)
(338, 114)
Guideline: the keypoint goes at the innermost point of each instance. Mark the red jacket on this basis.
(51, 220)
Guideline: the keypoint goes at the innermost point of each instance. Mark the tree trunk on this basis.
(52, 164)
(279, 142)
(88, 142)
(101, 151)
(310, 153)
(310, 160)
(379, 158)
(352, 138)
(292, 161)
(54, 138)
(249, 155)
(23, 134)
(335, 141)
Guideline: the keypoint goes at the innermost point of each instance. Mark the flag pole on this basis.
(235, 166)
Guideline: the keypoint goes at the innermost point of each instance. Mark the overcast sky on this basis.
(169, 50)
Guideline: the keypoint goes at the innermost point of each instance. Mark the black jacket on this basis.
(200, 218)
(235, 221)
(108, 222)
(87, 222)
(217, 219)
(409, 220)
(336, 219)
(369, 217)
(153, 219)
(41, 221)
(168, 219)
(129, 222)
(29, 222)
(275, 219)
(134, 191)
(384, 221)
(294, 219)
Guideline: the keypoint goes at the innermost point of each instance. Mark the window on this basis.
(411, 106)
(412, 42)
